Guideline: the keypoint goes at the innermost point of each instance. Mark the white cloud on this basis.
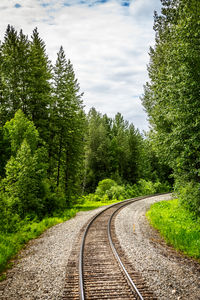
(107, 43)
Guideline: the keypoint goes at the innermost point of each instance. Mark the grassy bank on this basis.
(15, 236)
(11, 243)
(178, 227)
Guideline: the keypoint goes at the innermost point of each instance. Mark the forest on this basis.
(53, 153)
(172, 95)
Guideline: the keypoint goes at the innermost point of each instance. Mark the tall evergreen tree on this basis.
(25, 74)
(114, 149)
(119, 146)
(39, 88)
(97, 149)
(134, 169)
(67, 126)
(10, 101)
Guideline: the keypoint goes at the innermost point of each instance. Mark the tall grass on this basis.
(23, 231)
(11, 243)
(178, 226)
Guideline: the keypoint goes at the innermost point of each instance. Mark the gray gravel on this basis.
(169, 275)
(39, 273)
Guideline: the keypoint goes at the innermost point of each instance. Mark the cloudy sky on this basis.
(107, 41)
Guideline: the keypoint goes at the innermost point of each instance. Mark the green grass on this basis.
(88, 205)
(12, 243)
(178, 226)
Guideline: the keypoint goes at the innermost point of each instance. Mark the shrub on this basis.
(189, 195)
(149, 187)
(132, 191)
(146, 187)
(117, 192)
(103, 186)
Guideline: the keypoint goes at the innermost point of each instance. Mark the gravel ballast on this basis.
(39, 272)
(168, 274)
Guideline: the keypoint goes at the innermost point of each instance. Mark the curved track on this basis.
(103, 269)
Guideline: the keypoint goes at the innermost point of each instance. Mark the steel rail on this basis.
(81, 281)
(132, 284)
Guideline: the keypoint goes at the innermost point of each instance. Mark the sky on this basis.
(107, 42)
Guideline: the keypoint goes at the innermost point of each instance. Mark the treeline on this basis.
(41, 127)
(172, 95)
(115, 149)
(51, 152)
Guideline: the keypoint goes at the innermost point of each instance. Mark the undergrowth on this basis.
(177, 225)
(12, 243)
(16, 233)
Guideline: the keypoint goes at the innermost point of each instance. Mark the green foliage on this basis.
(114, 149)
(50, 152)
(171, 97)
(38, 86)
(91, 201)
(5, 151)
(177, 226)
(11, 243)
(108, 190)
(104, 186)
(23, 186)
(116, 192)
(189, 195)
(50, 98)
(20, 128)
(66, 130)
(97, 152)
(25, 73)
(13, 67)
(146, 187)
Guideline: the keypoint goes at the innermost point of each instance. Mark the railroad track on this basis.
(98, 268)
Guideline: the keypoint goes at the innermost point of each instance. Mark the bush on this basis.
(149, 187)
(132, 191)
(116, 192)
(161, 187)
(146, 187)
(189, 195)
(108, 189)
(103, 186)
(9, 219)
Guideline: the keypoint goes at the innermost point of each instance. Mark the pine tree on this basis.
(10, 101)
(25, 74)
(135, 145)
(39, 88)
(97, 150)
(67, 125)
